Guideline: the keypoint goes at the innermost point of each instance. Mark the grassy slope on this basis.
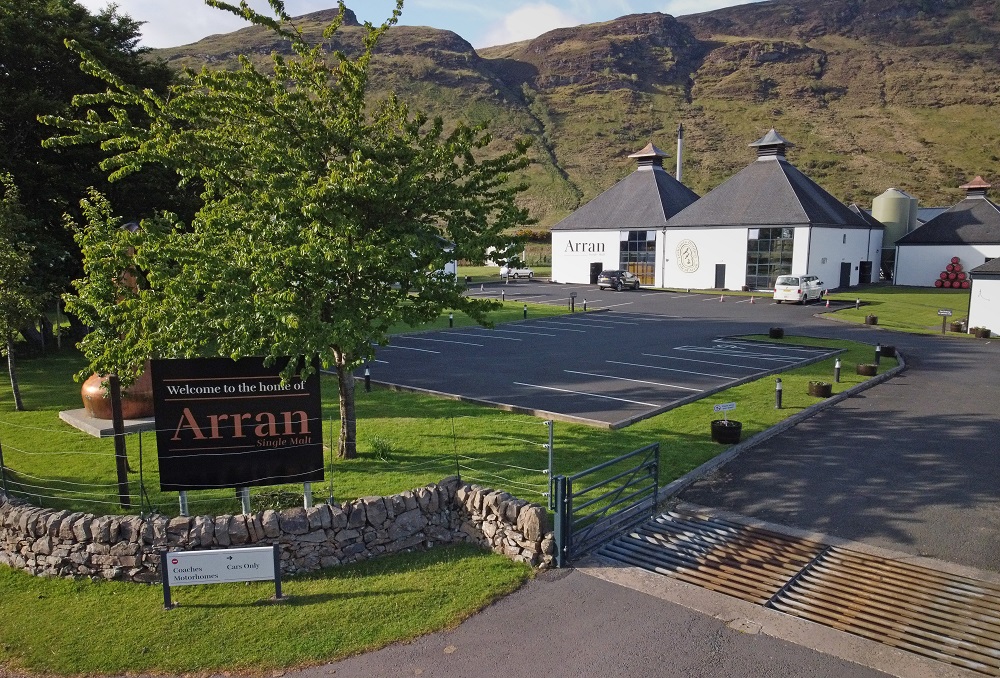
(48, 625)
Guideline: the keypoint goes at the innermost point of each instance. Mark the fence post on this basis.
(3, 474)
(562, 520)
(548, 424)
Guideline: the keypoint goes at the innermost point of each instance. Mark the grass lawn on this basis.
(905, 309)
(62, 626)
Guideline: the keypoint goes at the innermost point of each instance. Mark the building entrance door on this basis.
(845, 274)
(595, 270)
(865, 276)
(720, 276)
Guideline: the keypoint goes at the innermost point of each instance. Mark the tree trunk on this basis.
(347, 448)
(18, 405)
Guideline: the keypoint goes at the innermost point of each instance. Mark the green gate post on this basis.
(562, 520)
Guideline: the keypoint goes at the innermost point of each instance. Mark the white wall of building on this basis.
(920, 265)
(574, 251)
(688, 257)
(828, 248)
(984, 307)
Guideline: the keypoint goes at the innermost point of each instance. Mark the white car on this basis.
(800, 288)
(516, 273)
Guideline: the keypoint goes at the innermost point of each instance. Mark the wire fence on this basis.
(63, 468)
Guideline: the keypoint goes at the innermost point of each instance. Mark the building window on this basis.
(769, 254)
(638, 255)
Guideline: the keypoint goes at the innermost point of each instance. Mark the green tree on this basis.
(19, 303)
(324, 218)
(39, 76)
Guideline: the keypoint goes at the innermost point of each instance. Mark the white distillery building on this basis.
(969, 231)
(984, 305)
(767, 220)
(620, 227)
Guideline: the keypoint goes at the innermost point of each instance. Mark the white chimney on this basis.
(680, 149)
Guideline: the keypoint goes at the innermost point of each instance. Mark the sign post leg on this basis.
(277, 573)
(244, 493)
(307, 495)
(167, 604)
(182, 498)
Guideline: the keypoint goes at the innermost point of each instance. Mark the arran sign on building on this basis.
(233, 423)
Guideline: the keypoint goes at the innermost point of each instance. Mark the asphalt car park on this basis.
(606, 368)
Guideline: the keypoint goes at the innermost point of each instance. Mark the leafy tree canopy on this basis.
(325, 221)
(39, 76)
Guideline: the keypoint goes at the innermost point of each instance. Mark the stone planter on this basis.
(982, 333)
(871, 320)
(776, 333)
(726, 432)
(957, 327)
(867, 369)
(820, 389)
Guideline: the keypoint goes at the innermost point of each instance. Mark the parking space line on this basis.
(636, 381)
(707, 362)
(609, 322)
(409, 348)
(736, 354)
(684, 296)
(444, 341)
(535, 334)
(482, 336)
(584, 393)
(627, 303)
(759, 345)
(548, 322)
(671, 369)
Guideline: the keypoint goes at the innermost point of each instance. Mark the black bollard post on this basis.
(836, 371)
(503, 295)
(451, 320)
(584, 305)
(777, 393)
(525, 311)
(878, 353)
(857, 304)
(368, 379)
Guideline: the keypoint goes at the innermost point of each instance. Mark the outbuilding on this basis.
(619, 229)
(964, 236)
(984, 305)
(769, 220)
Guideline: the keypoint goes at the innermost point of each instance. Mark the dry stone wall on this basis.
(66, 544)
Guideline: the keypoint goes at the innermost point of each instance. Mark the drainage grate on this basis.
(945, 617)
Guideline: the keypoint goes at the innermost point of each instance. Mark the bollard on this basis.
(857, 304)
(584, 305)
(836, 371)
(878, 353)
(368, 379)
(572, 302)
(451, 320)
(777, 393)
(503, 295)
(525, 311)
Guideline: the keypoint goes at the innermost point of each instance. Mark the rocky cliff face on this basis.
(874, 93)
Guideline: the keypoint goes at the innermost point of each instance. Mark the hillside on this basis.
(873, 93)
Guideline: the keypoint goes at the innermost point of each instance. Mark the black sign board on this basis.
(232, 423)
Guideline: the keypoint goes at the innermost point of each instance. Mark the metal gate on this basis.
(621, 493)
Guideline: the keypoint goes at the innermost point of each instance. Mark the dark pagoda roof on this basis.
(872, 221)
(974, 221)
(991, 269)
(644, 200)
(769, 192)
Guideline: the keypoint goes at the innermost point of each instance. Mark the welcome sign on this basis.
(233, 423)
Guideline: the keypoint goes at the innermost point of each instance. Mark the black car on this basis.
(618, 280)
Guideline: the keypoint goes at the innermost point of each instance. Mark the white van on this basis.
(800, 288)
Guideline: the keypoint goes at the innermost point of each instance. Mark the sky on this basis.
(482, 22)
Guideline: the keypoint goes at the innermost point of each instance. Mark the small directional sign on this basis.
(945, 312)
(725, 407)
